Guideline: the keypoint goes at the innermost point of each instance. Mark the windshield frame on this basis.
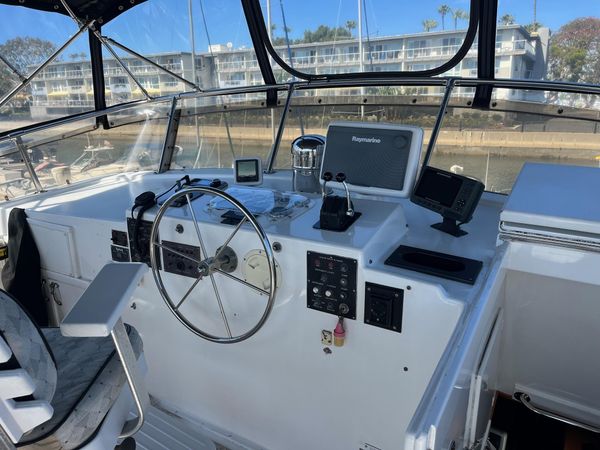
(474, 18)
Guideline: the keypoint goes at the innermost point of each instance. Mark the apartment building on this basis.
(66, 86)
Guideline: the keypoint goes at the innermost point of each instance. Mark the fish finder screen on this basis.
(438, 187)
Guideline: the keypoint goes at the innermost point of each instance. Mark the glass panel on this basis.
(549, 40)
(312, 111)
(15, 180)
(215, 130)
(161, 30)
(27, 38)
(493, 145)
(68, 154)
(393, 35)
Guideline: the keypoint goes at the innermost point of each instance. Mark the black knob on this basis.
(328, 176)
(215, 183)
(340, 177)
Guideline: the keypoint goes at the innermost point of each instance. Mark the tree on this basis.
(575, 51)
(443, 10)
(351, 25)
(459, 14)
(507, 19)
(533, 27)
(324, 33)
(24, 53)
(429, 24)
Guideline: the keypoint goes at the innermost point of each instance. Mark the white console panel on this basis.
(280, 389)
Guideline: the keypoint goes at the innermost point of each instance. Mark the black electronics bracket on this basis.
(337, 213)
(450, 226)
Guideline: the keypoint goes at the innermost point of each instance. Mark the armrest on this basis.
(103, 302)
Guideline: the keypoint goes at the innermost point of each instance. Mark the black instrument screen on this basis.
(438, 187)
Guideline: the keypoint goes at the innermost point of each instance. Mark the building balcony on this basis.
(76, 89)
(120, 88)
(117, 70)
(236, 66)
(62, 103)
(441, 53)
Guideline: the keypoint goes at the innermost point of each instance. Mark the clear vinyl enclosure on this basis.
(202, 56)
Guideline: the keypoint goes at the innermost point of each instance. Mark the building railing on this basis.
(64, 103)
(380, 56)
(109, 71)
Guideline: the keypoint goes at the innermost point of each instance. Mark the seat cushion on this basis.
(29, 346)
(90, 378)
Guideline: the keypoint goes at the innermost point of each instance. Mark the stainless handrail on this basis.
(274, 149)
(28, 164)
(437, 126)
(302, 85)
(525, 399)
(128, 362)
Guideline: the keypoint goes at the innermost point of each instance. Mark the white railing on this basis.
(64, 103)
(247, 64)
(399, 55)
(109, 71)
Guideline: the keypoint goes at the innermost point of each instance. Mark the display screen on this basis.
(247, 170)
(438, 187)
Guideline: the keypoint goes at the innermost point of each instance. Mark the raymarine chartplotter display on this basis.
(376, 158)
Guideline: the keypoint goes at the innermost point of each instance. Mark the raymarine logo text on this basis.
(366, 140)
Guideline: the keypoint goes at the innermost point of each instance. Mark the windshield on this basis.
(549, 40)
(27, 39)
(69, 153)
(390, 35)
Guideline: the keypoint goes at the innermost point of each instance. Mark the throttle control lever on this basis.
(337, 213)
(341, 178)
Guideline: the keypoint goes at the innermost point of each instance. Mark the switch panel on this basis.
(331, 284)
(119, 238)
(383, 306)
(119, 254)
(175, 263)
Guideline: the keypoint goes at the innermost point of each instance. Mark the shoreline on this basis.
(548, 144)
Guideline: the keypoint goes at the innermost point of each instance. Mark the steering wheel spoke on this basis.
(189, 291)
(224, 262)
(245, 283)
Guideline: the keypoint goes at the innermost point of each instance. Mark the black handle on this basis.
(340, 177)
(328, 176)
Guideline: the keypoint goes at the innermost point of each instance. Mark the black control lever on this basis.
(341, 178)
(337, 213)
(327, 176)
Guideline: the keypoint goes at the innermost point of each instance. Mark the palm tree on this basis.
(459, 14)
(351, 25)
(507, 19)
(429, 24)
(443, 10)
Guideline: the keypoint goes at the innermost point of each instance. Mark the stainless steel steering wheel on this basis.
(221, 263)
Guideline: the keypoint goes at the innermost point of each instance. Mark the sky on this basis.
(163, 25)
